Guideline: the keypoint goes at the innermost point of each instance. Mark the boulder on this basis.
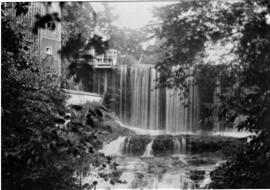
(164, 145)
(136, 145)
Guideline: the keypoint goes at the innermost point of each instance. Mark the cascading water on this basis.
(144, 106)
(131, 94)
(148, 150)
(177, 146)
(115, 147)
(128, 147)
(138, 104)
(183, 143)
(158, 108)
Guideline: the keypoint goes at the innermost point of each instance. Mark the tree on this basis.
(39, 151)
(79, 24)
(249, 100)
(152, 53)
(127, 41)
(188, 28)
(105, 18)
(79, 21)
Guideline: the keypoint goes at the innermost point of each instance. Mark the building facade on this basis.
(46, 44)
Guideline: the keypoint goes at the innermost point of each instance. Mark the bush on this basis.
(41, 149)
(249, 168)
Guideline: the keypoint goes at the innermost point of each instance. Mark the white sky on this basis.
(135, 14)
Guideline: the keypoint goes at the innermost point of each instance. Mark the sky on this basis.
(135, 14)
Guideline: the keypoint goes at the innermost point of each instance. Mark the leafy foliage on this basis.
(78, 30)
(79, 22)
(249, 103)
(47, 21)
(84, 17)
(249, 168)
(127, 41)
(41, 146)
(188, 27)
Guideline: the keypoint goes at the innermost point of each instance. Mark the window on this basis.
(48, 51)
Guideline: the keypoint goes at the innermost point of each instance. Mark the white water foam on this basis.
(140, 131)
(114, 148)
(236, 134)
(148, 150)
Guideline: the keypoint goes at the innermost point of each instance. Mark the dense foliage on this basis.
(249, 101)
(79, 21)
(135, 45)
(190, 30)
(80, 25)
(42, 147)
(127, 42)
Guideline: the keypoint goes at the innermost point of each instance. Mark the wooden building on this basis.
(46, 44)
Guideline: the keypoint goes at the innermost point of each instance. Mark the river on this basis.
(131, 95)
(174, 170)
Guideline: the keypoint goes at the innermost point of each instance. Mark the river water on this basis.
(154, 172)
(131, 95)
(138, 103)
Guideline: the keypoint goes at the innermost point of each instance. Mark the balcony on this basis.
(104, 61)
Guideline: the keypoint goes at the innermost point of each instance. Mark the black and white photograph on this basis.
(139, 94)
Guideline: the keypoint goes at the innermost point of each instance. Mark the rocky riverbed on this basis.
(163, 145)
(182, 161)
(161, 161)
(178, 171)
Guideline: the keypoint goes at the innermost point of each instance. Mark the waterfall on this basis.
(148, 150)
(176, 146)
(184, 145)
(139, 104)
(128, 147)
(175, 112)
(179, 146)
(115, 147)
(153, 108)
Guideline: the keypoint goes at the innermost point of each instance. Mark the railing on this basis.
(107, 60)
(103, 63)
